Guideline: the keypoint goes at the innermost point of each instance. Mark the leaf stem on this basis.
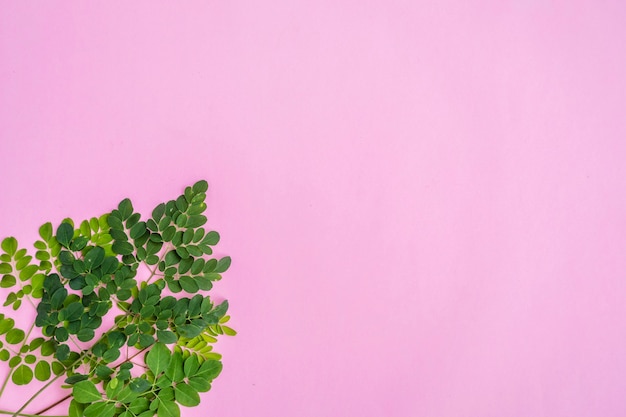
(68, 396)
(23, 414)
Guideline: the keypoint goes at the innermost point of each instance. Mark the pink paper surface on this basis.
(424, 201)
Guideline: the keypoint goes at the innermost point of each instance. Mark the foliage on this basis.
(149, 274)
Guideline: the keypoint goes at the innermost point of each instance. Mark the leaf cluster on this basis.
(152, 274)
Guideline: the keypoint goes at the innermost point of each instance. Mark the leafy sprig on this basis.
(152, 275)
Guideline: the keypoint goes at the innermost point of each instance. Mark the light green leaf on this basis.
(86, 392)
(76, 409)
(15, 336)
(42, 371)
(9, 245)
(45, 231)
(22, 375)
(7, 281)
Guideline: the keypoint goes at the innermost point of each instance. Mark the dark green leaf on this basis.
(125, 208)
(94, 258)
(65, 233)
(79, 243)
(122, 248)
(222, 265)
(211, 238)
(188, 284)
(138, 230)
(195, 221)
(200, 187)
(85, 335)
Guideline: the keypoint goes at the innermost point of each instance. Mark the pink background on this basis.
(425, 202)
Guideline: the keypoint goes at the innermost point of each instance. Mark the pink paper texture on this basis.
(425, 202)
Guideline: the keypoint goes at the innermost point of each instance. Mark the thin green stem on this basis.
(6, 379)
(42, 389)
(70, 395)
(156, 267)
(23, 414)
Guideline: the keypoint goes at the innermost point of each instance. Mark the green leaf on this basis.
(5, 268)
(76, 409)
(7, 281)
(167, 409)
(28, 272)
(175, 370)
(191, 366)
(72, 312)
(22, 375)
(6, 324)
(79, 243)
(195, 221)
(115, 223)
(139, 385)
(15, 336)
(188, 284)
(222, 265)
(94, 258)
(158, 358)
(100, 409)
(139, 405)
(122, 248)
(209, 369)
(200, 187)
(63, 351)
(199, 384)
(126, 208)
(9, 246)
(211, 238)
(138, 230)
(167, 337)
(57, 368)
(186, 395)
(86, 392)
(65, 233)
(45, 231)
(42, 371)
(85, 335)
